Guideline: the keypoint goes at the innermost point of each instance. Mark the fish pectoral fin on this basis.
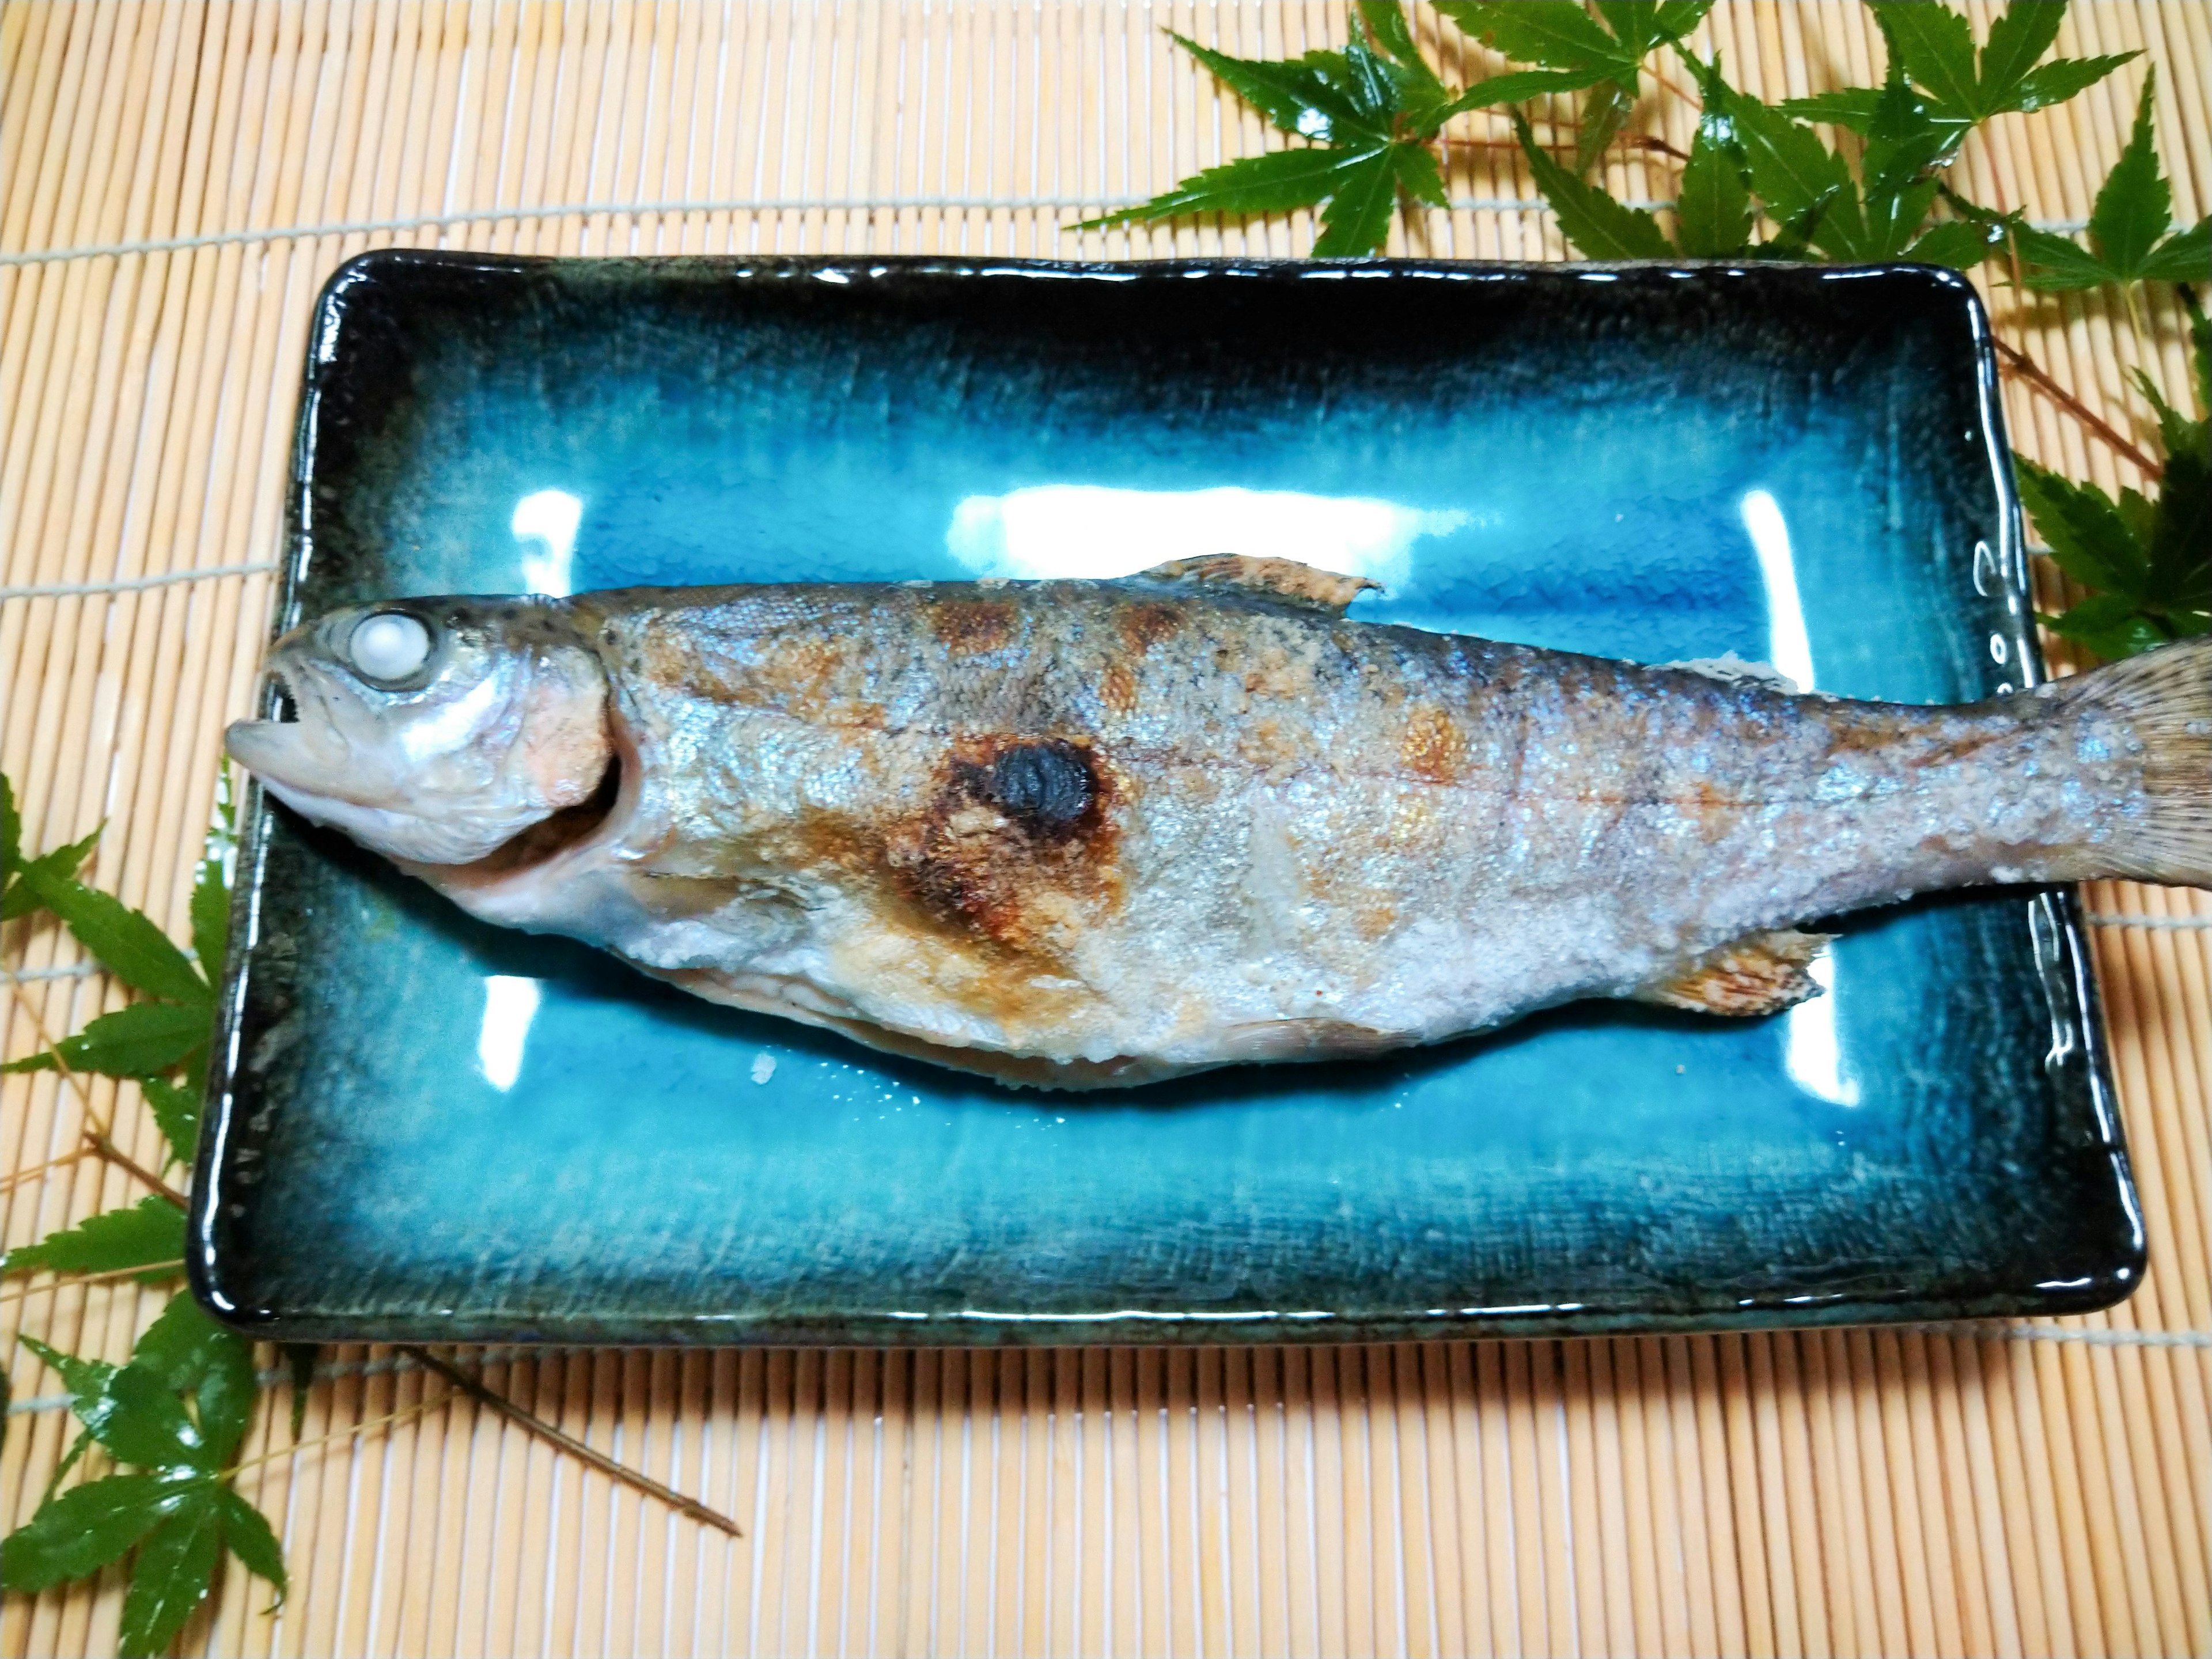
(1285, 579)
(1757, 974)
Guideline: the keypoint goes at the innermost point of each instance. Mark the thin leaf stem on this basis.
(1680, 92)
(114, 1154)
(68, 1280)
(388, 1420)
(2029, 370)
(96, 1132)
(48, 1167)
(61, 1064)
(576, 1447)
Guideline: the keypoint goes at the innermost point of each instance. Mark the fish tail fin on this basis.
(2163, 700)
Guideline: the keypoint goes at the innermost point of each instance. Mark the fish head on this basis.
(433, 731)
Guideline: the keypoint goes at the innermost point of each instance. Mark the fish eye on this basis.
(388, 646)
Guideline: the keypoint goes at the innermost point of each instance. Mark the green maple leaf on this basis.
(2128, 228)
(1368, 116)
(149, 1234)
(1934, 47)
(2149, 559)
(1600, 227)
(1607, 50)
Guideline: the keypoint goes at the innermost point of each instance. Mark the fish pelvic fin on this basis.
(2162, 701)
(1757, 974)
(1285, 580)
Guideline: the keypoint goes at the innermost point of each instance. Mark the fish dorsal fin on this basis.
(1283, 580)
(1757, 974)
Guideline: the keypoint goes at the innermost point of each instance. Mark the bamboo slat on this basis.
(2039, 1490)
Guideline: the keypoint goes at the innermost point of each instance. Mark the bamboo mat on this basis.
(2035, 1489)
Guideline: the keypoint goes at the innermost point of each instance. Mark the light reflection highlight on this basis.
(1095, 531)
(1814, 1055)
(550, 517)
(510, 1004)
(1788, 648)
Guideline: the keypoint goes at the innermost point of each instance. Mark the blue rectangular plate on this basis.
(422, 1128)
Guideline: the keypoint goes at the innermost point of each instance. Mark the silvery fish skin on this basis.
(1087, 834)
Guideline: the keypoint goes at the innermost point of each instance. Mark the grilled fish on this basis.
(1079, 833)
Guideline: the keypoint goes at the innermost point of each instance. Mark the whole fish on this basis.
(1082, 834)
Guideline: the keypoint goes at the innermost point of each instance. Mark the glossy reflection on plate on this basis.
(425, 1129)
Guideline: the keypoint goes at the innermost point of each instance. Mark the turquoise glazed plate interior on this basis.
(423, 1128)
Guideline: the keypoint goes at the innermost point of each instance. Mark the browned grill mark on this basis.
(968, 627)
(1146, 623)
(1117, 688)
(1433, 747)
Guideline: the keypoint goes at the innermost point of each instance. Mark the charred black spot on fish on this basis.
(1047, 788)
(1015, 844)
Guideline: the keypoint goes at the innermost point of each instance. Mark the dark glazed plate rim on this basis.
(2068, 980)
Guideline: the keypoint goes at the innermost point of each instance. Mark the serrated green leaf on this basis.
(1890, 223)
(170, 1578)
(151, 1231)
(125, 940)
(1935, 46)
(141, 1420)
(1556, 33)
(1357, 220)
(2056, 82)
(1642, 26)
(22, 899)
(2055, 262)
(1634, 23)
(1712, 207)
(1677, 18)
(2183, 257)
(1373, 87)
(80, 1530)
(1959, 243)
(1518, 87)
(11, 831)
(183, 1345)
(78, 1447)
(247, 1533)
(2181, 533)
(2176, 431)
(2017, 39)
(2108, 626)
(224, 1398)
(1599, 226)
(176, 1108)
(1604, 114)
(85, 1379)
(2134, 204)
(1851, 107)
(130, 1411)
(211, 911)
(1903, 142)
(1276, 182)
(140, 1040)
(1793, 172)
(2200, 336)
(1313, 96)
(1386, 22)
(1417, 174)
(2088, 537)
